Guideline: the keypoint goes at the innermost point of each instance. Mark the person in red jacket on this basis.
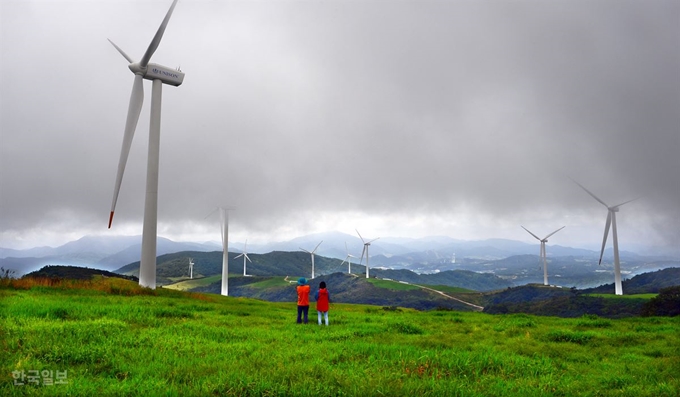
(323, 297)
(303, 299)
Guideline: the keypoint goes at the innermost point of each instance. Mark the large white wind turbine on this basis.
(191, 269)
(348, 259)
(245, 256)
(543, 255)
(611, 221)
(159, 75)
(365, 250)
(312, 254)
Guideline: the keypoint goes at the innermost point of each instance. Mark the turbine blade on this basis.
(238, 256)
(373, 240)
(223, 216)
(305, 250)
(546, 237)
(618, 205)
(606, 233)
(590, 193)
(362, 255)
(121, 51)
(247, 257)
(530, 233)
(212, 212)
(317, 246)
(224, 229)
(135, 107)
(157, 38)
(362, 239)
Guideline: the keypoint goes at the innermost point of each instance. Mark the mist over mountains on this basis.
(512, 260)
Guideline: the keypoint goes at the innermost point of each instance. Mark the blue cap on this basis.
(302, 281)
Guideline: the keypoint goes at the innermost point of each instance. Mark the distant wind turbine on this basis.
(611, 220)
(365, 251)
(245, 256)
(542, 254)
(159, 75)
(348, 260)
(191, 268)
(312, 254)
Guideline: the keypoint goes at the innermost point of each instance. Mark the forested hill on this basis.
(170, 267)
(75, 273)
(645, 283)
(601, 301)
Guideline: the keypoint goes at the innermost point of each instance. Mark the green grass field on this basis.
(114, 338)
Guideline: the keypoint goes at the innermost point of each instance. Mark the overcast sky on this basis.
(399, 118)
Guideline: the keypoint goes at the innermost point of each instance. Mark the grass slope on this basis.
(185, 285)
(115, 338)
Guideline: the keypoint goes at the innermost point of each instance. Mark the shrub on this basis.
(667, 303)
(408, 329)
(580, 338)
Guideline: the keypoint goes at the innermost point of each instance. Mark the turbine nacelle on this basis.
(154, 71)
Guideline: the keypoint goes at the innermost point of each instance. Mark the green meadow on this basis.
(114, 338)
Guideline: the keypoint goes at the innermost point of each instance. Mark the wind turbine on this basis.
(245, 256)
(542, 254)
(348, 260)
(159, 75)
(312, 254)
(366, 245)
(611, 221)
(191, 269)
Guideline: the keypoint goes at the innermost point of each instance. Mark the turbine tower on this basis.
(159, 75)
(245, 256)
(191, 269)
(312, 254)
(366, 245)
(542, 254)
(611, 221)
(348, 260)
(224, 217)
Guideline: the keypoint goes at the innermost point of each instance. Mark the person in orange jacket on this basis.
(323, 297)
(303, 299)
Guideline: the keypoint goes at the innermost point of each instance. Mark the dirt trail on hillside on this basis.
(480, 308)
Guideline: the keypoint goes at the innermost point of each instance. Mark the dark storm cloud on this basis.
(291, 109)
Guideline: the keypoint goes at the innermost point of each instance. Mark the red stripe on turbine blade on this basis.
(110, 219)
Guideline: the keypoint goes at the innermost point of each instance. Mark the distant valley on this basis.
(503, 262)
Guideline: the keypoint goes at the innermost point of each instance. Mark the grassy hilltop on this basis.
(115, 338)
